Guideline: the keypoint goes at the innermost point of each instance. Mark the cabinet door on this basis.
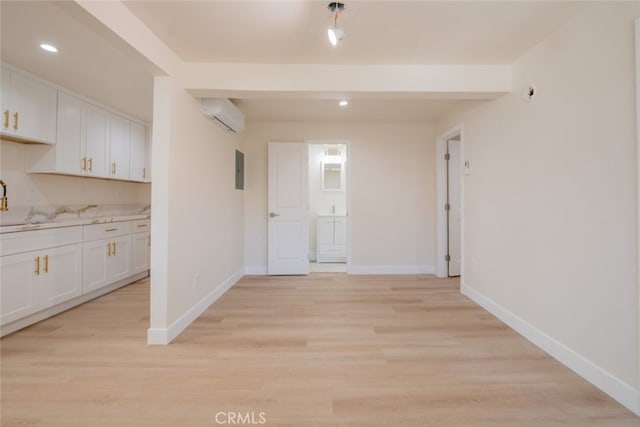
(6, 109)
(62, 274)
(119, 147)
(33, 109)
(139, 252)
(119, 262)
(340, 231)
(94, 275)
(138, 167)
(69, 146)
(325, 231)
(18, 288)
(96, 141)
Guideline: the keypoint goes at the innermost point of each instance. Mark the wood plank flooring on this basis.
(322, 350)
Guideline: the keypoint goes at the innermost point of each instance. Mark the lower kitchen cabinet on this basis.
(36, 280)
(44, 272)
(106, 260)
(140, 245)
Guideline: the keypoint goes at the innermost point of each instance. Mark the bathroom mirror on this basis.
(332, 179)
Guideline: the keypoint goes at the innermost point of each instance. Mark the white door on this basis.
(69, 145)
(119, 263)
(96, 141)
(137, 166)
(139, 252)
(454, 212)
(95, 258)
(288, 214)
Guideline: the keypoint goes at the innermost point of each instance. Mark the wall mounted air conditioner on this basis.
(224, 113)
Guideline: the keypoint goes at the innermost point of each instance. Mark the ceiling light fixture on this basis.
(49, 48)
(344, 103)
(335, 34)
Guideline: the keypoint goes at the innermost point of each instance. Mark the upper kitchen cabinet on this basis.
(82, 141)
(119, 146)
(28, 108)
(138, 168)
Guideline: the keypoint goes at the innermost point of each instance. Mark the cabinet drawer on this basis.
(106, 231)
(25, 241)
(332, 250)
(140, 226)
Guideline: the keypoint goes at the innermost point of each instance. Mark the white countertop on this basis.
(70, 223)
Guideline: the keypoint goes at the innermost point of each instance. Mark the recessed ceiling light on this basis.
(49, 48)
(344, 103)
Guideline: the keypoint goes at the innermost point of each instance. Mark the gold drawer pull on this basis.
(46, 263)
(91, 164)
(114, 248)
(6, 119)
(15, 121)
(109, 249)
(142, 225)
(84, 163)
(111, 229)
(38, 265)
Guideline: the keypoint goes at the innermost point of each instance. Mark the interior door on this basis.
(288, 215)
(454, 211)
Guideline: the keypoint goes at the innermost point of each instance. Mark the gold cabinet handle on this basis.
(84, 163)
(37, 265)
(15, 120)
(6, 119)
(113, 168)
(142, 225)
(114, 248)
(108, 248)
(111, 229)
(46, 263)
(144, 172)
(91, 164)
(149, 241)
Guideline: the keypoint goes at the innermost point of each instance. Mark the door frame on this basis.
(441, 197)
(637, 31)
(348, 164)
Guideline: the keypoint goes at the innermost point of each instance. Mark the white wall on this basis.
(198, 232)
(49, 190)
(392, 191)
(550, 208)
(321, 201)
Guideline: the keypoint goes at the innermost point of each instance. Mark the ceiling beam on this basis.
(325, 81)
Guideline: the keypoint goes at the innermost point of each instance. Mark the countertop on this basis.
(70, 223)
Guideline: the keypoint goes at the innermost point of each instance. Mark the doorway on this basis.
(449, 217)
(328, 224)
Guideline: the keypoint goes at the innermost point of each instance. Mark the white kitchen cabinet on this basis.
(332, 238)
(82, 141)
(33, 280)
(107, 254)
(61, 274)
(138, 170)
(140, 246)
(119, 147)
(18, 296)
(28, 107)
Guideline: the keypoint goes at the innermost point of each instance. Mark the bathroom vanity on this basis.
(332, 238)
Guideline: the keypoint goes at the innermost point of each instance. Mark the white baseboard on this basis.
(391, 269)
(605, 381)
(255, 270)
(163, 336)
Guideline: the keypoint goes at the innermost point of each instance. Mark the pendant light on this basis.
(334, 33)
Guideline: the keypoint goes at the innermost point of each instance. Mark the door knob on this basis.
(273, 215)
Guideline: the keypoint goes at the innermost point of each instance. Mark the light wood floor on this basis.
(325, 350)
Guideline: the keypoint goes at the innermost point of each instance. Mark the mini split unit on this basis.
(224, 113)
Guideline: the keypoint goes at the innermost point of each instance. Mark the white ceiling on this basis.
(389, 32)
(97, 64)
